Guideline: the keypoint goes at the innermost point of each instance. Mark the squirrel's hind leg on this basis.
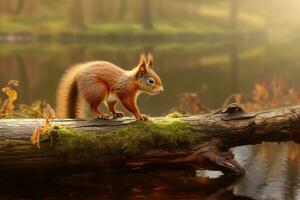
(95, 95)
(100, 115)
(112, 108)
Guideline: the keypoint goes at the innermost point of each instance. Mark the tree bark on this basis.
(218, 131)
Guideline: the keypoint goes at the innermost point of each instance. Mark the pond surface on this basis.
(272, 173)
(213, 70)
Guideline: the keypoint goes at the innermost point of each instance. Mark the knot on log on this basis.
(233, 108)
(235, 112)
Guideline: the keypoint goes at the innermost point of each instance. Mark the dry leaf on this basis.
(13, 83)
(35, 138)
(260, 92)
(7, 106)
(49, 115)
(278, 94)
(278, 87)
(11, 93)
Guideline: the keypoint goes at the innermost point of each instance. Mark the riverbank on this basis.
(191, 29)
(128, 37)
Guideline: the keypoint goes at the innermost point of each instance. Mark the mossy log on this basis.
(199, 141)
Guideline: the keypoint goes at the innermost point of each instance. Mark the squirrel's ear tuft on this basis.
(142, 59)
(142, 66)
(150, 60)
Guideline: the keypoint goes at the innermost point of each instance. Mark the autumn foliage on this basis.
(8, 109)
(274, 94)
(43, 129)
(38, 109)
(7, 106)
(190, 104)
(264, 95)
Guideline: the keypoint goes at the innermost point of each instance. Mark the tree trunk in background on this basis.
(19, 7)
(123, 9)
(6, 7)
(233, 15)
(147, 15)
(161, 9)
(76, 17)
(21, 67)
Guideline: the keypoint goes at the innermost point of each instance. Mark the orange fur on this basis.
(101, 81)
(63, 104)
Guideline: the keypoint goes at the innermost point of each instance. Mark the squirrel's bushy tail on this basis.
(67, 100)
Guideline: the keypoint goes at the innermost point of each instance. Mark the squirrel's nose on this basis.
(161, 89)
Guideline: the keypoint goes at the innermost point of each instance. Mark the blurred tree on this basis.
(233, 14)
(123, 9)
(146, 15)
(6, 7)
(28, 9)
(19, 6)
(23, 74)
(161, 9)
(76, 17)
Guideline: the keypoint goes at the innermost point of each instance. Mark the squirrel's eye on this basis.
(150, 81)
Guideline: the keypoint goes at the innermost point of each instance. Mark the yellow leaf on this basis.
(8, 105)
(48, 114)
(35, 138)
(45, 127)
(11, 93)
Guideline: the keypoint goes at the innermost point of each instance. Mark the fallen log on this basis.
(199, 141)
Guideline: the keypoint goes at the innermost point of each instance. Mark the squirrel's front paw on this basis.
(118, 114)
(141, 117)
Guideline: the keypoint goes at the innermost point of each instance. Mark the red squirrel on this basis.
(100, 81)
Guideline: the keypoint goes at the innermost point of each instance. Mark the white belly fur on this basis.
(111, 97)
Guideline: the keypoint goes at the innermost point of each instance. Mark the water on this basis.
(214, 70)
(272, 173)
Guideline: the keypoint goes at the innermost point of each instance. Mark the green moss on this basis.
(126, 141)
(174, 114)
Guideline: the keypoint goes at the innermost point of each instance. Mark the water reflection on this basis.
(138, 185)
(272, 171)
